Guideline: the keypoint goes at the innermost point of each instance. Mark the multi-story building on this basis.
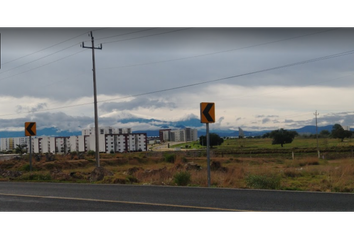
(11, 143)
(179, 135)
(126, 142)
(110, 140)
(165, 134)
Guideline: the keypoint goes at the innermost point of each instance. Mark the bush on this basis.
(27, 168)
(36, 177)
(90, 153)
(169, 158)
(182, 178)
(263, 181)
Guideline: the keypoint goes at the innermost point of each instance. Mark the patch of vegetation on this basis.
(182, 178)
(264, 181)
(248, 167)
(36, 177)
(90, 153)
(169, 157)
(27, 168)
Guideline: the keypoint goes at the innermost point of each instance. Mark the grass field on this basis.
(237, 163)
(266, 143)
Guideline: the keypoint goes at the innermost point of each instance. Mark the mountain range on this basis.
(192, 123)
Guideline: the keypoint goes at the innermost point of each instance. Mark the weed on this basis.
(90, 153)
(182, 178)
(36, 177)
(27, 168)
(263, 181)
(170, 157)
(292, 173)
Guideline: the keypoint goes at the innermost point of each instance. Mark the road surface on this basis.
(26, 196)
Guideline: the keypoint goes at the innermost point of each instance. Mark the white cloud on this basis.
(167, 76)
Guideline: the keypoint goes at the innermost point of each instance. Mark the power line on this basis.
(43, 50)
(30, 54)
(1, 79)
(210, 81)
(207, 54)
(224, 51)
(45, 55)
(63, 57)
(151, 35)
(123, 34)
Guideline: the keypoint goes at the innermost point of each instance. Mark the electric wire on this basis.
(56, 44)
(70, 54)
(214, 53)
(151, 35)
(204, 82)
(191, 85)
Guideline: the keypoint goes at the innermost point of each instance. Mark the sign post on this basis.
(30, 130)
(207, 115)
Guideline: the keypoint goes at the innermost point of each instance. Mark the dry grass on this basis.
(307, 173)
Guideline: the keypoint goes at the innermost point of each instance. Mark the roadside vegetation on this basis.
(236, 163)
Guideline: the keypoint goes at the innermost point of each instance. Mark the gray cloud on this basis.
(265, 120)
(137, 103)
(26, 109)
(133, 65)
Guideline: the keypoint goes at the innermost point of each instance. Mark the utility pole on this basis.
(97, 152)
(318, 151)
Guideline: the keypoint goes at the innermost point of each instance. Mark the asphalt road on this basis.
(38, 197)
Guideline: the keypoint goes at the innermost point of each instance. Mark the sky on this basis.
(258, 78)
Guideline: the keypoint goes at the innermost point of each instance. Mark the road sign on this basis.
(30, 129)
(207, 112)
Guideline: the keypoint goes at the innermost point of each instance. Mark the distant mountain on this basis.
(312, 129)
(233, 133)
(192, 123)
(43, 132)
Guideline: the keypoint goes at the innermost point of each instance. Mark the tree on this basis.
(215, 140)
(20, 148)
(282, 136)
(266, 135)
(339, 132)
(324, 133)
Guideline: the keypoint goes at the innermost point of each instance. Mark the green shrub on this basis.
(90, 153)
(263, 181)
(169, 158)
(36, 177)
(26, 168)
(182, 178)
(132, 179)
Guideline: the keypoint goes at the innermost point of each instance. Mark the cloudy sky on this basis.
(259, 78)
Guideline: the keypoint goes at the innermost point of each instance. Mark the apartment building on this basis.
(110, 140)
(178, 135)
(11, 143)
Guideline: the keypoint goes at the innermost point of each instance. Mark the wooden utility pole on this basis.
(97, 152)
(318, 150)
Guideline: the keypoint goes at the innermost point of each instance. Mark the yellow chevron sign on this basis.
(30, 129)
(207, 112)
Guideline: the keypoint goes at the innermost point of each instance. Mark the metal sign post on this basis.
(208, 152)
(30, 130)
(207, 115)
(30, 153)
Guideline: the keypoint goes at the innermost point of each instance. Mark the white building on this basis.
(346, 128)
(11, 143)
(110, 140)
(179, 135)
